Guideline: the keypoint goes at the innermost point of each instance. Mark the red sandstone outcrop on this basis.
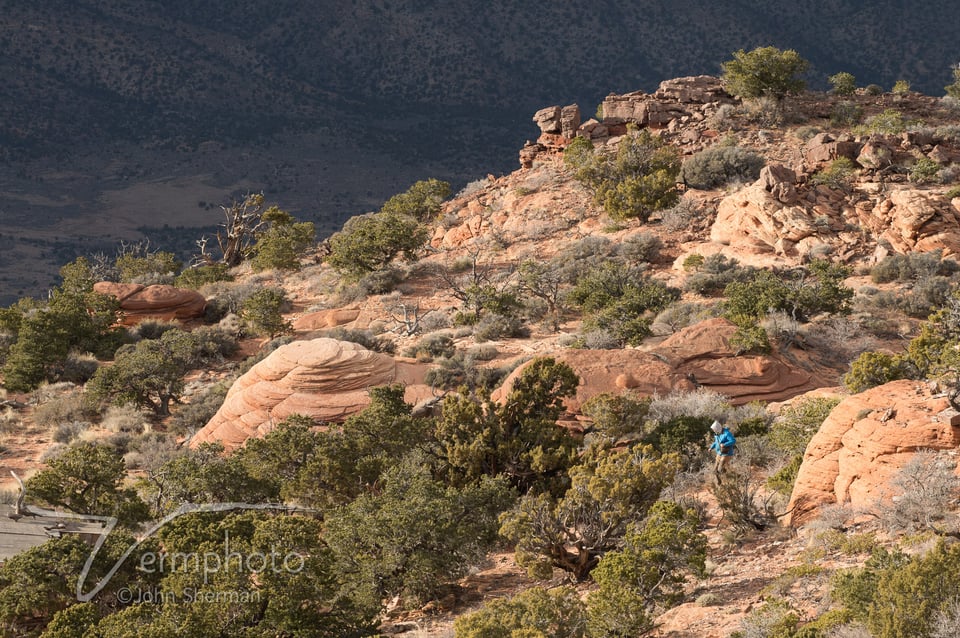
(914, 220)
(138, 302)
(865, 441)
(766, 217)
(325, 319)
(698, 356)
(325, 379)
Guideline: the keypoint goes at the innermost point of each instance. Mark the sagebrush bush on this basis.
(927, 491)
(66, 433)
(431, 346)
(497, 326)
(912, 266)
(226, 297)
(716, 166)
(700, 403)
(197, 413)
(79, 368)
(124, 418)
(66, 408)
(715, 273)
(200, 276)
(640, 248)
(684, 215)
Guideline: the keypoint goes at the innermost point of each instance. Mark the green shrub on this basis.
(198, 277)
(901, 599)
(846, 114)
(764, 71)
(640, 179)
(421, 201)
(715, 166)
(953, 90)
(750, 338)
(783, 479)
(715, 273)
(283, 243)
(871, 369)
(620, 299)
(262, 312)
(952, 193)
(900, 87)
(838, 175)
(925, 171)
(648, 572)
(873, 89)
(536, 612)
(369, 242)
(819, 289)
(795, 426)
(843, 83)
(890, 122)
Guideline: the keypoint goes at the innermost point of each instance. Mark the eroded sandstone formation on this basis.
(867, 439)
(698, 356)
(325, 379)
(167, 303)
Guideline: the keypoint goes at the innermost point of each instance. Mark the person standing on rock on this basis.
(724, 444)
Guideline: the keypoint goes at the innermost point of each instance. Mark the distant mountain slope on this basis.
(82, 70)
(331, 107)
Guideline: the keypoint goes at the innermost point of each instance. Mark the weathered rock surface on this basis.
(756, 218)
(865, 441)
(823, 148)
(914, 220)
(325, 379)
(698, 356)
(167, 303)
(324, 319)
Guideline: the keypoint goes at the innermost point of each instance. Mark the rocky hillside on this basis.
(822, 469)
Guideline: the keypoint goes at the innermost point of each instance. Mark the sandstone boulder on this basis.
(325, 319)
(865, 441)
(756, 218)
(913, 220)
(824, 148)
(548, 119)
(167, 303)
(325, 379)
(697, 356)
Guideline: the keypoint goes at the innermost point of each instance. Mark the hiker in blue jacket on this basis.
(724, 444)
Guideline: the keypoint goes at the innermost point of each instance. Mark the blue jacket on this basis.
(724, 443)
